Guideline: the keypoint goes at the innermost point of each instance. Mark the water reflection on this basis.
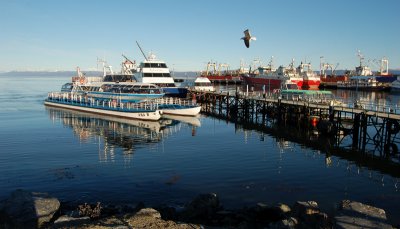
(287, 136)
(112, 134)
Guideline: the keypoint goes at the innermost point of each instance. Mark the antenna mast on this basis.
(141, 50)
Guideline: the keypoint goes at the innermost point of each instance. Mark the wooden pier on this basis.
(374, 130)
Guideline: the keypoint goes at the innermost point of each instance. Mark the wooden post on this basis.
(356, 130)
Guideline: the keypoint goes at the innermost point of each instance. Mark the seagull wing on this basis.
(247, 42)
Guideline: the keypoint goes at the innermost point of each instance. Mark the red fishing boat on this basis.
(273, 78)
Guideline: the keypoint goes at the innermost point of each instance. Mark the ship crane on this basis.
(325, 67)
(210, 65)
(383, 65)
(105, 66)
(334, 69)
(220, 66)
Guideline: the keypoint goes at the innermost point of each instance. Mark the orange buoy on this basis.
(314, 121)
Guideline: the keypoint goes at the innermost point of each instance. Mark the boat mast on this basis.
(141, 50)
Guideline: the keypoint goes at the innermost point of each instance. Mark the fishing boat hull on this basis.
(271, 83)
(230, 79)
(150, 115)
(363, 83)
(311, 84)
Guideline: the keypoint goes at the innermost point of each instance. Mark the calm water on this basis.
(86, 158)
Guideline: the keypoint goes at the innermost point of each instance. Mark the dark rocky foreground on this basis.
(24, 209)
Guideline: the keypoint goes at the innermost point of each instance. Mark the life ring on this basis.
(82, 80)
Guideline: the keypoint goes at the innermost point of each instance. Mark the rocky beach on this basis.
(25, 209)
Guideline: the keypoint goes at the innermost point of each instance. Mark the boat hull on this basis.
(311, 84)
(224, 79)
(182, 110)
(150, 115)
(271, 83)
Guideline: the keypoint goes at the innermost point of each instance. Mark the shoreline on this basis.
(204, 211)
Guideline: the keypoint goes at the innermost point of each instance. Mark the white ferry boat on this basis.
(81, 102)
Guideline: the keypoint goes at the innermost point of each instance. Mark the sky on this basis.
(61, 35)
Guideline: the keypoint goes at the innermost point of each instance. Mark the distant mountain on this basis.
(48, 73)
(180, 75)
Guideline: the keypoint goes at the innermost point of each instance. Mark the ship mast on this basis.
(141, 50)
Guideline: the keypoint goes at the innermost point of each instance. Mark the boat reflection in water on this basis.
(112, 133)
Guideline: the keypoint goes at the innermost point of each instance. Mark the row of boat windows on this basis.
(155, 65)
(117, 88)
(156, 75)
(166, 84)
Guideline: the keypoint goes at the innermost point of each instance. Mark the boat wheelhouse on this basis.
(202, 83)
(155, 71)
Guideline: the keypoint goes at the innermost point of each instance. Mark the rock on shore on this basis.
(28, 209)
(25, 209)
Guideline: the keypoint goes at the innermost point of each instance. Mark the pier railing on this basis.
(386, 108)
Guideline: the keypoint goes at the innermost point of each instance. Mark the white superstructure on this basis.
(154, 71)
(203, 84)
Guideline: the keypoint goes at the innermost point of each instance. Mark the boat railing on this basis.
(174, 101)
(85, 100)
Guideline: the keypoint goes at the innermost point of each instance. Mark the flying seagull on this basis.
(247, 37)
